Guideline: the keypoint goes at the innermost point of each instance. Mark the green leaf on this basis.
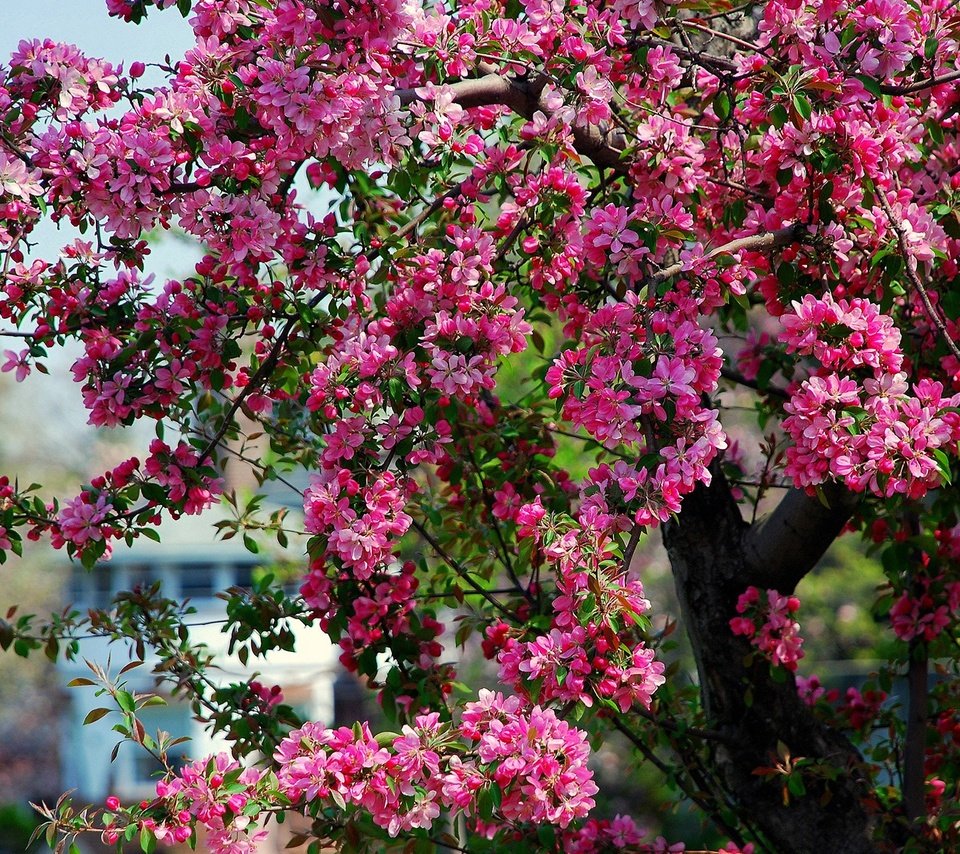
(787, 273)
(778, 116)
(943, 464)
(94, 715)
(871, 84)
(796, 786)
(125, 701)
(722, 106)
(148, 842)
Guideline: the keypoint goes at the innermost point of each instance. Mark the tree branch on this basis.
(783, 546)
(740, 379)
(742, 700)
(754, 242)
(911, 88)
(462, 571)
(523, 96)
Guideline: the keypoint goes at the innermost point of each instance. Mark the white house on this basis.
(189, 563)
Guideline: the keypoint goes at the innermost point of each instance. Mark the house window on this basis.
(139, 577)
(243, 576)
(196, 580)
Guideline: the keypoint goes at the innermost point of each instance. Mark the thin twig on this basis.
(693, 25)
(462, 571)
(696, 797)
(740, 379)
(919, 86)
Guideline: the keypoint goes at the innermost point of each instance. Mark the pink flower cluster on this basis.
(770, 625)
(596, 835)
(638, 378)
(59, 74)
(927, 611)
(215, 794)
(869, 432)
(83, 521)
(843, 335)
(375, 611)
(180, 471)
(359, 523)
(464, 323)
(593, 648)
(859, 709)
(537, 762)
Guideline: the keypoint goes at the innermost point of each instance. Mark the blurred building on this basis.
(189, 564)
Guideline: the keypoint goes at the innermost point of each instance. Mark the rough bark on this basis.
(786, 544)
(755, 712)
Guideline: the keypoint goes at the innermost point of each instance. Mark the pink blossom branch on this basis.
(910, 265)
(920, 85)
(755, 242)
(698, 57)
(9, 142)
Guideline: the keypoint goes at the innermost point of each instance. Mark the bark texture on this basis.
(711, 564)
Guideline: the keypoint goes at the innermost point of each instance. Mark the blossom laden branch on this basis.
(753, 243)
(910, 267)
(524, 97)
(919, 85)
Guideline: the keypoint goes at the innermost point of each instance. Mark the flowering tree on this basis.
(648, 210)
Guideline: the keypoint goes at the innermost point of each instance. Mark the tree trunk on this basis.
(763, 718)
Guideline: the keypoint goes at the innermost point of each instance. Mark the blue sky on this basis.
(85, 24)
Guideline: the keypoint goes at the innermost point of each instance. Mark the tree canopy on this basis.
(519, 282)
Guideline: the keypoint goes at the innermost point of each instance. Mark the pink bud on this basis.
(113, 803)
(137, 69)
